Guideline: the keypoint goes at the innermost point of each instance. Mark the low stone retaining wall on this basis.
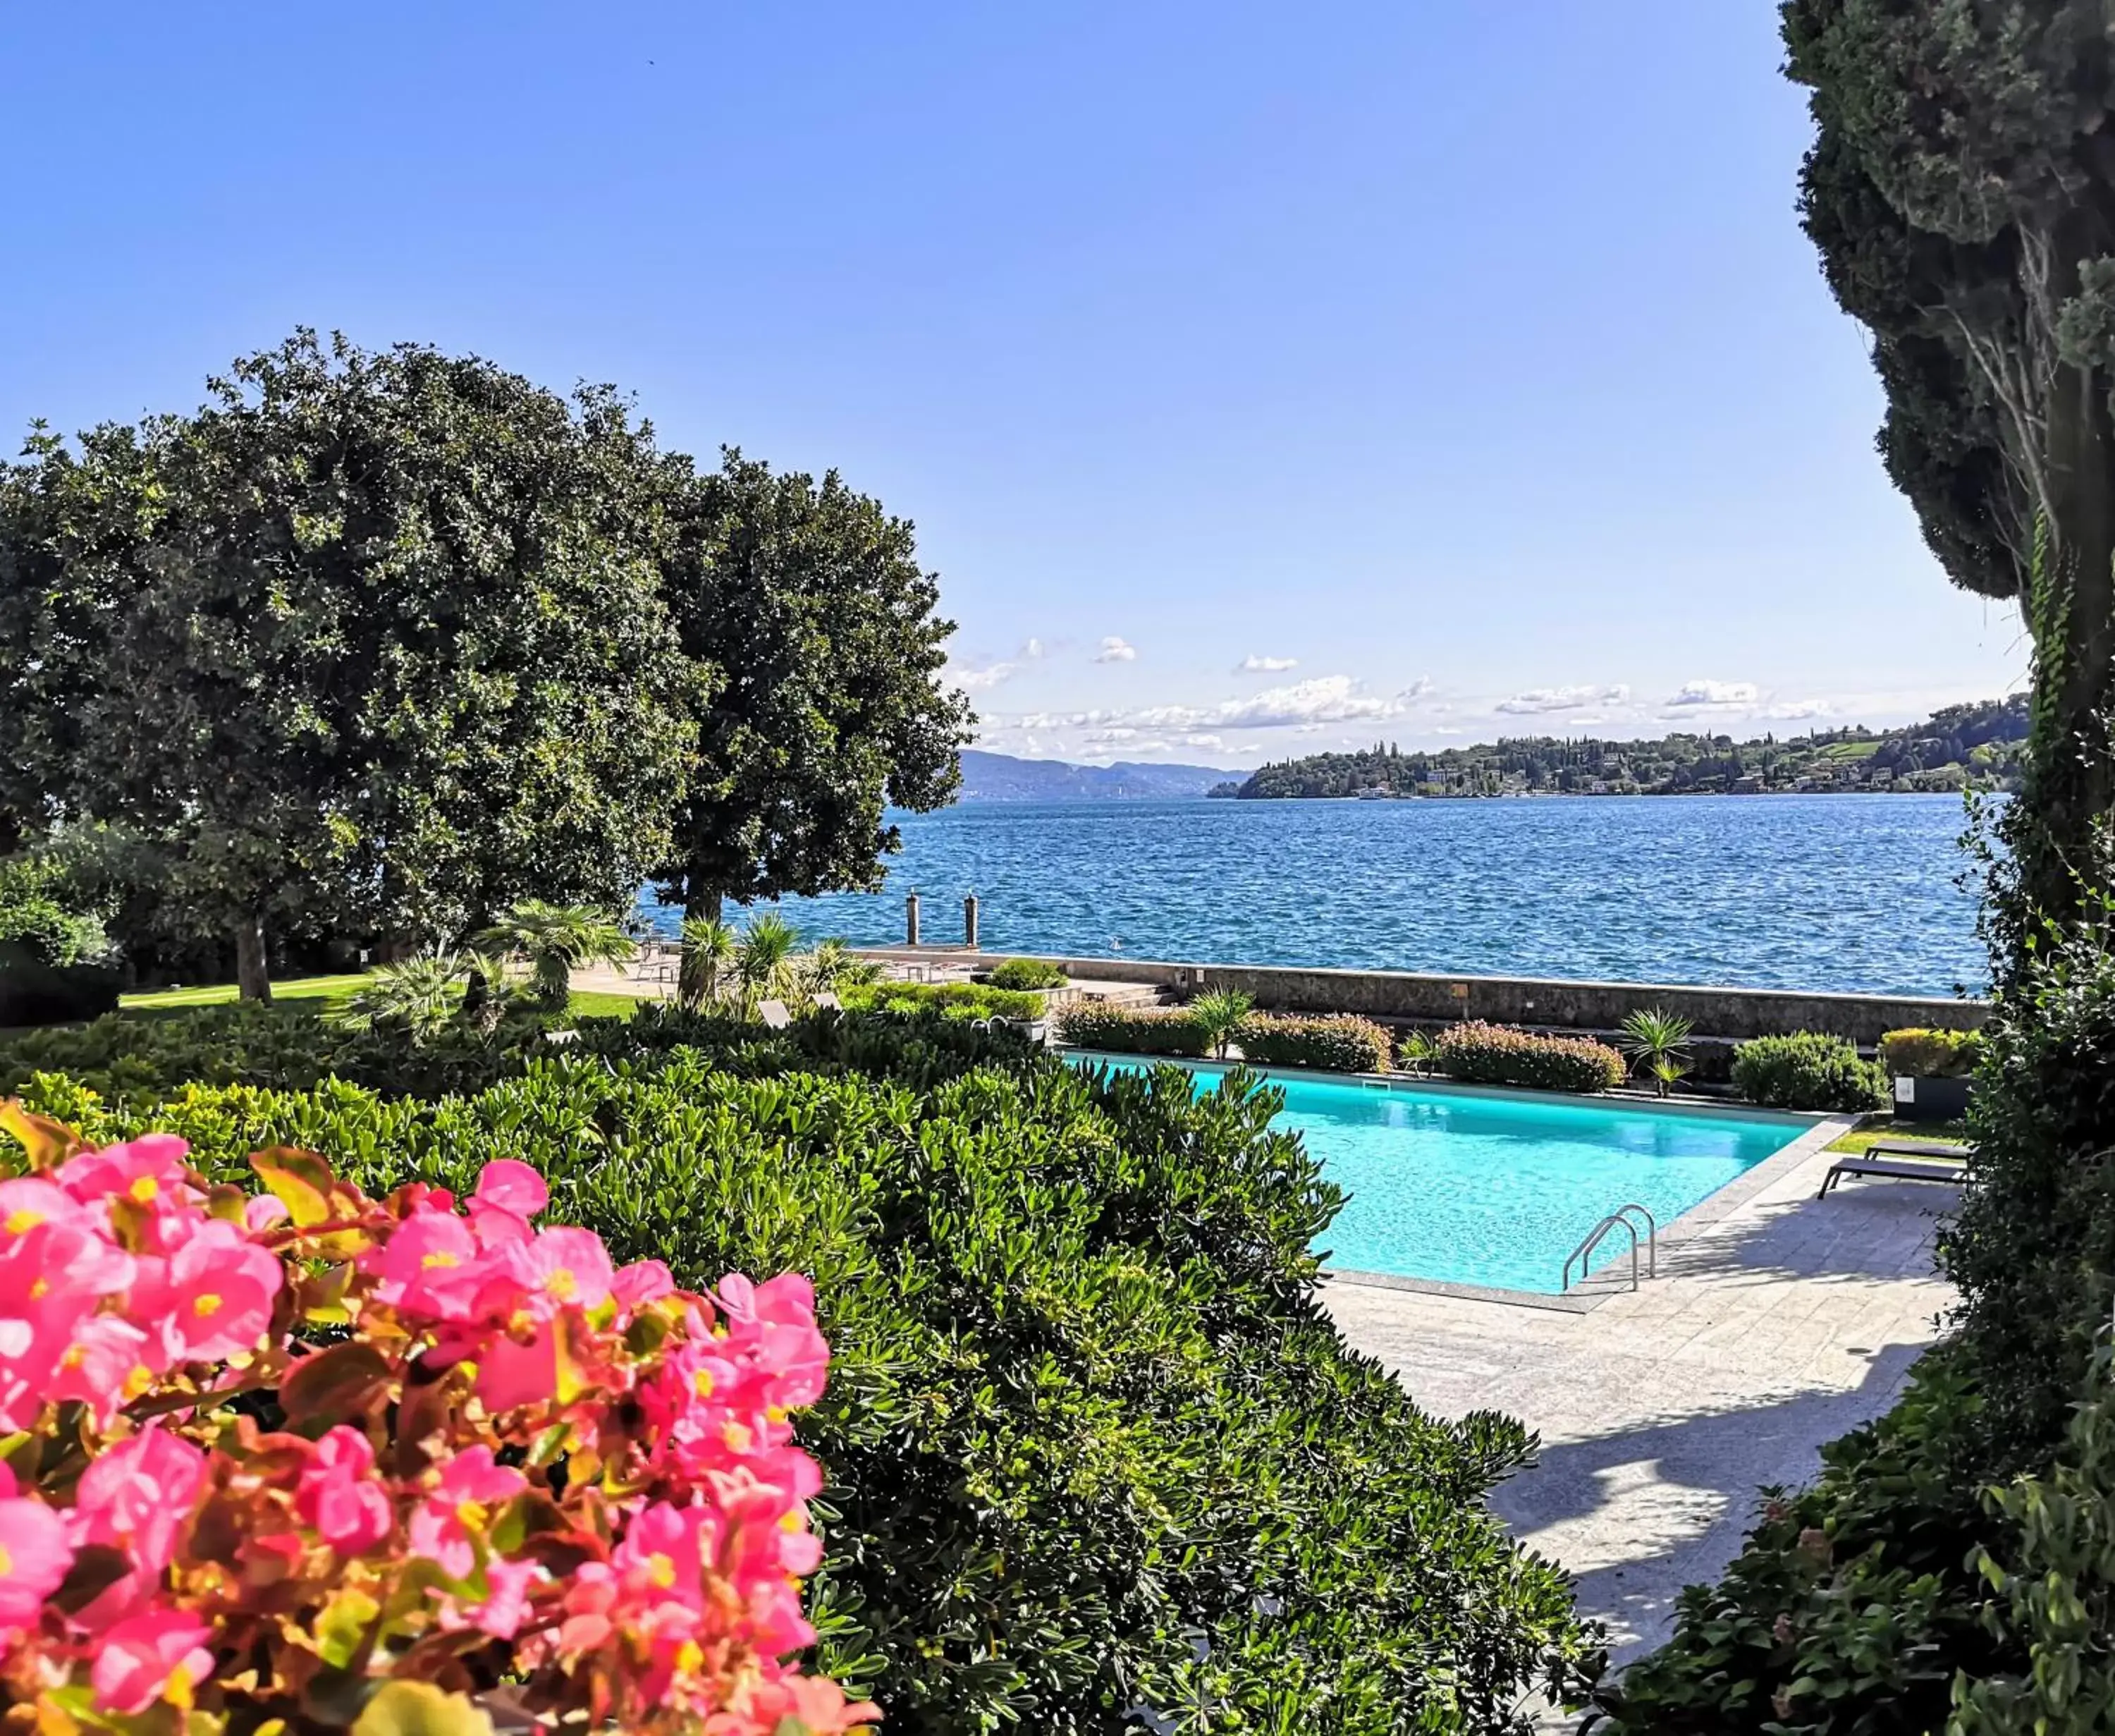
(1408, 997)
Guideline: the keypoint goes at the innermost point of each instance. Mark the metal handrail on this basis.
(1619, 1218)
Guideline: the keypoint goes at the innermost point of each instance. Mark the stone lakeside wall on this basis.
(1413, 996)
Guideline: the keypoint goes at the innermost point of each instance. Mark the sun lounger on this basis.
(1929, 1161)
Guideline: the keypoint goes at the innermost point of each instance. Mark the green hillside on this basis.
(1960, 746)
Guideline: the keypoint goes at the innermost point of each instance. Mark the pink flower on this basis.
(430, 1268)
(780, 1315)
(512, 1187)
(105, 1365)
(339, 1495)
(509, 1194)
(27, 1200)
(158, 1655)
(511, 1373)
(565, 1268)
(138, 1495)
(263, 1211)
(214, 1297)
(34, 1556)
(501, 1614)
(642, 1282)
(459, 1510)
(149, 1171)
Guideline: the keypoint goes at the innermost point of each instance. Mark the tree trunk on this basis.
(253, 975)
(700, 905)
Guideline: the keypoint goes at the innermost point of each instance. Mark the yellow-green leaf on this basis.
(419, 1709)
(343, 1625)
(47, 1142)
(299, 1180)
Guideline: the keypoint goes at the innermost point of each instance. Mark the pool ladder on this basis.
(1619, 1218)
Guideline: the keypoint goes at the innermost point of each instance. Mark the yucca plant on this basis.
(708, 961)
(1218, 1015)
(416, 996)
(762, 958)
(556, 939)
(1657, 1044)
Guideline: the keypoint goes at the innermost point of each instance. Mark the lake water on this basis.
(1851, 892)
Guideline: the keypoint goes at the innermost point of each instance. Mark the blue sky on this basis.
(1260, 379)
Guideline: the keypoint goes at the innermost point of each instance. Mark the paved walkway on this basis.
(1785, 1323)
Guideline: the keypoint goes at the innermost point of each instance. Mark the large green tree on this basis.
(809, 598)
(377, 637)
(1961, 190)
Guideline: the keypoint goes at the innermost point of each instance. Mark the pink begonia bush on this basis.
(398, 1465)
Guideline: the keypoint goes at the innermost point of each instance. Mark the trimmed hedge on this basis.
(1029, 973)
(1128, 1031)
(1810, 1071)
(1087, 1419)
(1930, 1054)
(963, 1000)
(1343, 1043)
(1478, 1053)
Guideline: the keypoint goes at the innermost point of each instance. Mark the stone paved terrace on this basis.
(1784, 1323)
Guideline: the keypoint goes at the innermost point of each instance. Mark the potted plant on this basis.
(1931, 1070)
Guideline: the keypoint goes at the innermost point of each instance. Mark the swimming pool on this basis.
(1496, 1188)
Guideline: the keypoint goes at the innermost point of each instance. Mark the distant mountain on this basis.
(1002, 778)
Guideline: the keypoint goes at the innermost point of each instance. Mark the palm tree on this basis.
(708, 956)
(1657, 1043)
(1218, 1015)
(558, 939)
(762, 958)
(831, 966)
(416, 996)
(494, 992)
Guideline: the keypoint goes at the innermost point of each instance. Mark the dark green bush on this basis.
(1029, 973)
(35, 991)
(1086, 1418)
(1478, 1053)
(1341, 1043)
(1810, 1071)
(1930, 1054)
(1128, 1031)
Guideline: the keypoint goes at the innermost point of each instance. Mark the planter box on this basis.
(1931, 1100)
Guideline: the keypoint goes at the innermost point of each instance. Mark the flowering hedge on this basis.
(1343, 1043)
(309, 1456)
(1478, 1053)
(1128, 1031)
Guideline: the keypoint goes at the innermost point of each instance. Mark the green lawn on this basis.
(298, 988)
(1951, 1133)
(318, 994)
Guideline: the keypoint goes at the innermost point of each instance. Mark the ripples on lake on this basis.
(1851, 892)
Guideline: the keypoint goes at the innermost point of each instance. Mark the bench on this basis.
(1900, 1160)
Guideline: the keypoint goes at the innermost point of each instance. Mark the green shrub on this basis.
(1029, 973)
(961, 999)
(1341, 1043)
(1810, 1071)
(43, 912)
(1130, 1031)
(1930, 1054)
(1478, 1053)
(1087, 1419)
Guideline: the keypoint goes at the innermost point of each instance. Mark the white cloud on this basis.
(1215, 742)
(1306, 704)
(983, 680)
(1032, 650)
(1716, 693)
(1791, 711)
(1115, 650)
(1255, 665)
(1538, 700)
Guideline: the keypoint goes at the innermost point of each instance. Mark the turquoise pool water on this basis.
(1495, 1189)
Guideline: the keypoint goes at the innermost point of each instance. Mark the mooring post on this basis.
(970, 921)
(911, 919)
